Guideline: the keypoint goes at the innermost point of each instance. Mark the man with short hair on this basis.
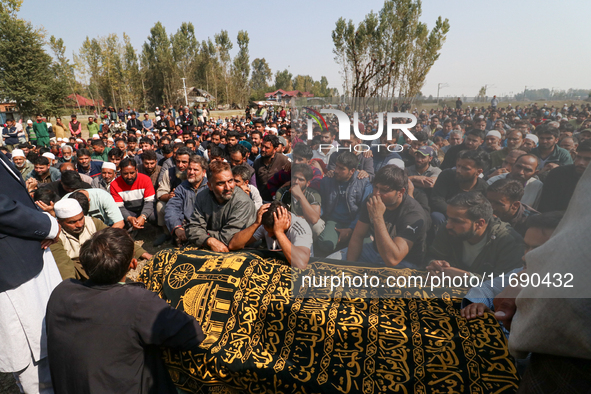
(87, 166)
(283, 231)
(10, 135)
(67, 155)
(474, 242)
(242, 178)
(301, 199)
(181, 206)
(504, 196)
(100, 151)
(472, 141)
(220, 212)
(43, 172)
(561, 182)
(93, 128)
(134, 195)
(327, 146)
(268, 164)
(135, 323)
(41, 132)
(150, 167)
(455, 138)
(524, 171)
(77, 228)
(396, 222)
(547, 150)
(465, 177)
(342, 196)
(134, 124)
(514, 141)
(108, 175)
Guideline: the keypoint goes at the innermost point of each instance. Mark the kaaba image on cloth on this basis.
(263, 337)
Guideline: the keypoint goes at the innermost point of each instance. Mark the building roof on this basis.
(289, 93)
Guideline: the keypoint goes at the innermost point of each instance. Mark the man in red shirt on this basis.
(134, 194)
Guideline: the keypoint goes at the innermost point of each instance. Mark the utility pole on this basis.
(185, 88)
(440, 85)
(524, 90)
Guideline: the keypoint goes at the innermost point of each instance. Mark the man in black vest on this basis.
(28, 275)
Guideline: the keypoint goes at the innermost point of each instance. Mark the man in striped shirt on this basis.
(134, 194)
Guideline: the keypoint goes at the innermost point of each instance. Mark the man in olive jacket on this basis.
(474, 243)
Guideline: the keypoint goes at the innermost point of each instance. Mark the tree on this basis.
(63, 71)
(241, 69)
(160, 70)
(388, 53)
(184, 48)
(261, 75)
(223, 47)
(26, 73)
(283, 80)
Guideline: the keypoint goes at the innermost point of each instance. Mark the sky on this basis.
(504, 44)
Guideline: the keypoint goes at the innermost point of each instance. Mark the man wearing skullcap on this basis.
(108, 174)
(22, 164)
(77, 228)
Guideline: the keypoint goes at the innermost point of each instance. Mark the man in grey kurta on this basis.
(221, 210)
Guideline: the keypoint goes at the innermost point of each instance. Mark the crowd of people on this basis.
(458, 200)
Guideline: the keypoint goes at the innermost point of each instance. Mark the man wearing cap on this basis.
(22, 164)
(30, 132)
(77, 229)
(108, 174)
(492, 141)
(28, 275)
(43, 172)
(530, 142)
(422, 174)
(51, 157)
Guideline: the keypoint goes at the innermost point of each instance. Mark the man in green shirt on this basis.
(40, 129)
(100, 151)
(93, 127)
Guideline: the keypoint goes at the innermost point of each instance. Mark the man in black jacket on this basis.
(561, 182)
(472, 141)
(28, 274)
(134, 322)
(134, 124)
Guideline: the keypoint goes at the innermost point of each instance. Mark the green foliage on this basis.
(27, 73)
(390, 53)
(241, 70)
(283, 80)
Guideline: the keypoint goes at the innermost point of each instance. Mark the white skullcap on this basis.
(157, 118)
(178, 140)
(63, 144)
(30, 121)
(67, 208)
(60, 139)
(49, 124)
(110, 139)
(163, 130)
(18, 153)
(79, 140)
(110, 166)
(49, 155)
(532, 137)
(494, 133)
(138, 132)
(397, 162)
(95, 137)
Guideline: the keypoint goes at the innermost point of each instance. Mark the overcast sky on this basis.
(504, 44)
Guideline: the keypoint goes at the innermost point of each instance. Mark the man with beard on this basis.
(134, 124)
(504, 196)
(464, 178)
(268, 164)
(150, 167)
(181, 206)
(108, 175)
(514, 141)
(475, 242)
(561, 182)
(547, 149)
(134, 195)
(472, 141)
(22, 164)
(524, 170)
(86, 165)
(67, 155)
(43, 172)
(169, 180)
(220, 211)
(77, 228)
